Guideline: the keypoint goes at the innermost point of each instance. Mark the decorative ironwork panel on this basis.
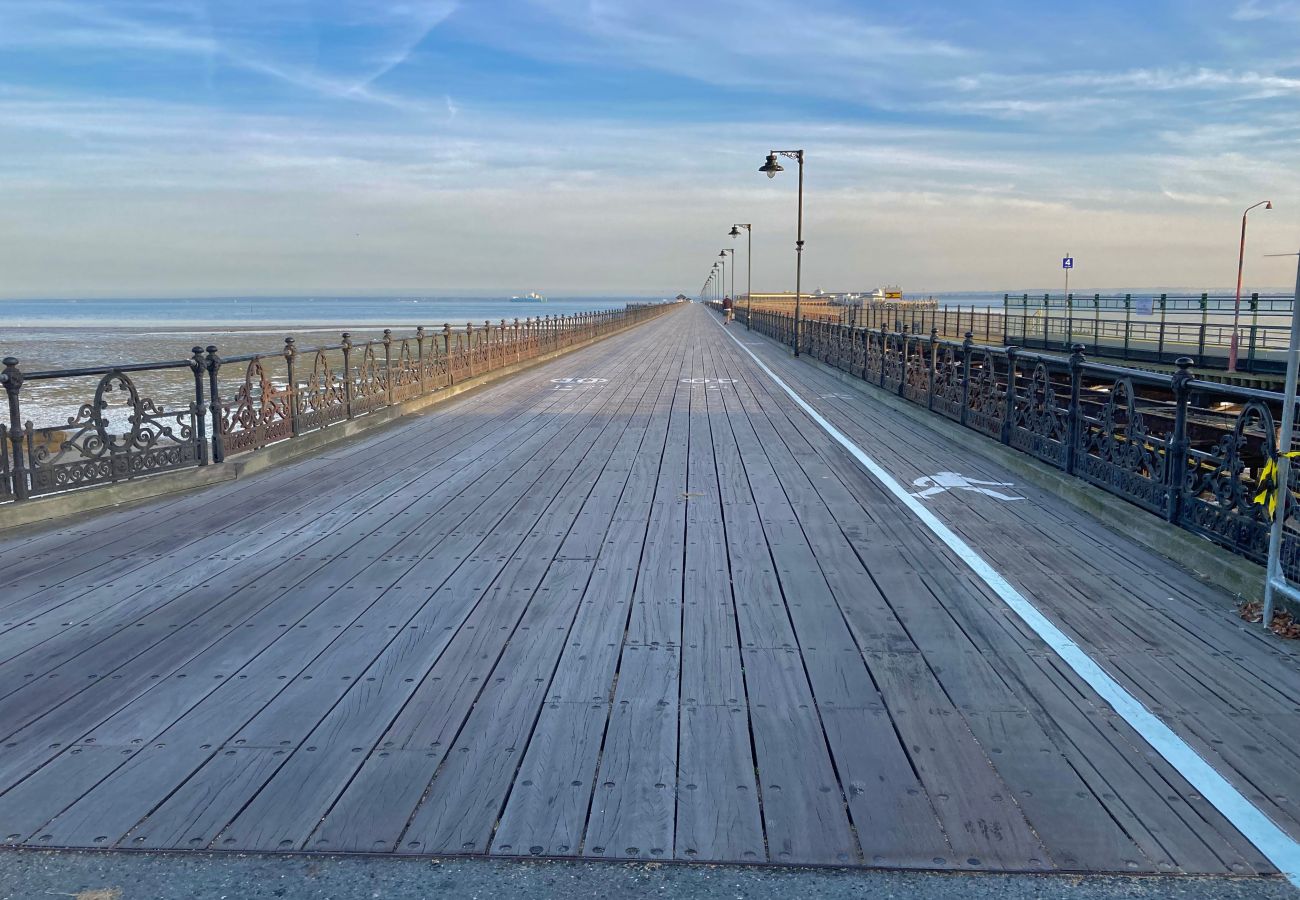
(260, 414)
(948, 375)
(530, 345)
(405, 373)
(435, 369)
(1118, 452)
(893, 361)
(813, 339)
(825, 343)
(92, 448)
(480, 353)
(857, 356)
(1221, 482)
(324, 400)
(1039, 424)
(369, 384)
(458, 359)
(985, 399)
(844, 349)
(917, 388)
(875, 356)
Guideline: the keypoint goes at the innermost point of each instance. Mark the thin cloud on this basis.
(1260, 11)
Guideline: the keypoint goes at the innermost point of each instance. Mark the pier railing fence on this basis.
(242, 403)
(1156, 328)
(1188, 450)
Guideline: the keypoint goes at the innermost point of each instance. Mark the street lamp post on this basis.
(1236, 306)
(749, 268)
(723, 253)
(771, 167)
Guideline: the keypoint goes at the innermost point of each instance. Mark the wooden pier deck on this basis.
(632, 603)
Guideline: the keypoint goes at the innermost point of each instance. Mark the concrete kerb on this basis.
(1209, 562)
(43, 510)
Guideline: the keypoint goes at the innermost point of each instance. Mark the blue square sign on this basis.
(1067, 262)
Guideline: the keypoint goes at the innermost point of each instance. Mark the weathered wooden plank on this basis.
(633, 812)
(194, 815)
(803, 802)
(718, 816)
(546, 814)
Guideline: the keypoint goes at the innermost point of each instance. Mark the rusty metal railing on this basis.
(119, 434)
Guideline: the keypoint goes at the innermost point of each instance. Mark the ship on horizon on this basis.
(530, 297)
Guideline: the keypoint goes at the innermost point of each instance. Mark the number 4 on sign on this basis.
(1067, 262)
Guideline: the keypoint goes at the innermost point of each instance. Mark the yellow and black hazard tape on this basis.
(1267, 495)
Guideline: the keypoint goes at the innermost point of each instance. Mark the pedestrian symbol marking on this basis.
(952, 481)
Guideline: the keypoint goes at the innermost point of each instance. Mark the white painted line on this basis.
(1279, 847)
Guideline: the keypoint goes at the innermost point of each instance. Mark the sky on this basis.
(189, 147)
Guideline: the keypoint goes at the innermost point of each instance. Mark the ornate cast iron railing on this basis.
(1188, 450)
(239, 404)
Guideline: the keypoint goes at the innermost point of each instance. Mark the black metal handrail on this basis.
(274, 397)
(1167, 328)
(1191, 451)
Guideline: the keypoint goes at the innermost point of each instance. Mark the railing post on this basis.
(519, 352)
(1076, 407)
(966, 346)
(1069, 320)
(469, 344)
(290, 358)
(200, 412)
(1128, 322)
(884, 345)
(213, 365)
(347, 373)
(388, 365)
(1096, 324)
(1254, 322)
(1200, 344)
(446, 351)
(1160, 348)
(419, 356)
(1047, 315)
(1009, 408)
(1006, 319)
(1176, 454)
(13, 385)
(934, 337)
(907, 357)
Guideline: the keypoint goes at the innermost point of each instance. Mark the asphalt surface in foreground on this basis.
(28, 875)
